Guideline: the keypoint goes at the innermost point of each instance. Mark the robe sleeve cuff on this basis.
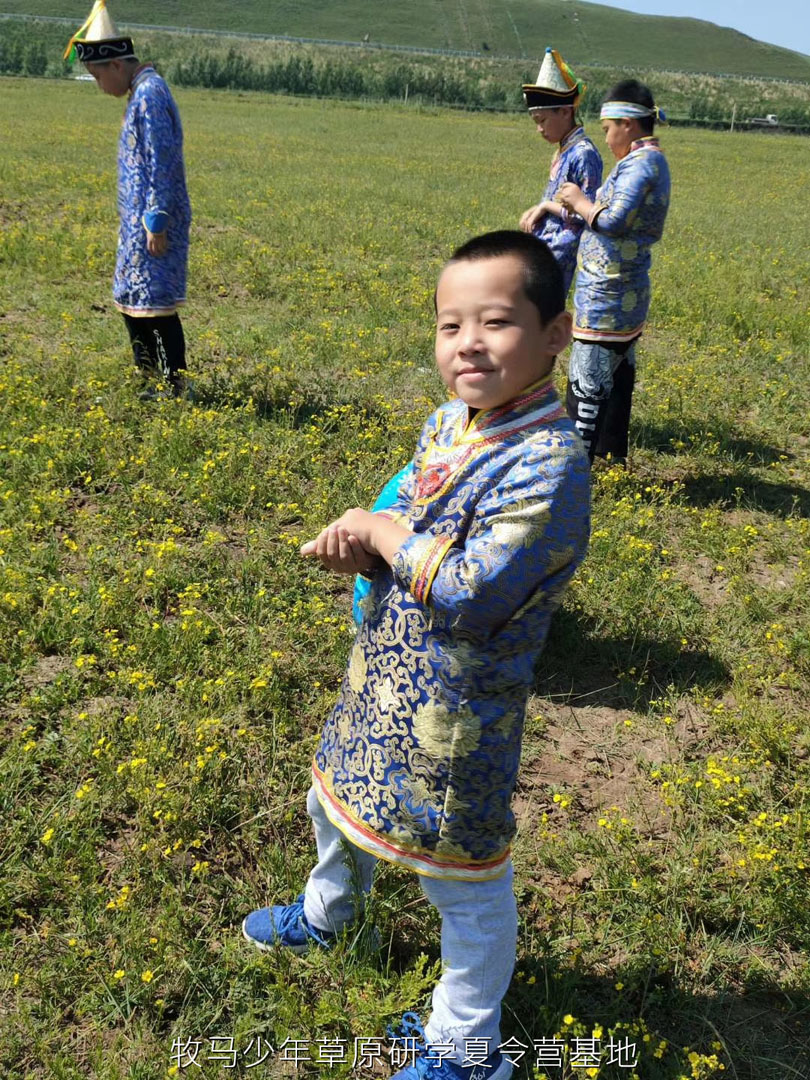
(156, 221)
(417, 562)
(594, 213)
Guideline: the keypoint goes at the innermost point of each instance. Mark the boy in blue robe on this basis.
(153, 204)
(552, 102)
(612, 292)
(418, 760)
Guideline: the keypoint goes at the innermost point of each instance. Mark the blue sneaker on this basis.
(284, 925)
(427, 1065)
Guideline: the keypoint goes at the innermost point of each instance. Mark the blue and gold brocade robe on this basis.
(418, 760)
(576, 160)
(612, 293)
(152, 193)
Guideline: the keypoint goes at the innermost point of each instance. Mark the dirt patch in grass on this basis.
(708, 583)
(106, 705)
(775, 576)
(46, 670)
(124, 841)
(600, 757)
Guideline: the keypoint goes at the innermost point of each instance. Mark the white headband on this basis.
(629, 110)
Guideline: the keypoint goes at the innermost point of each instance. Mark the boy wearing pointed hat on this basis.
(612, 294)
(552, 103)
(155, 214)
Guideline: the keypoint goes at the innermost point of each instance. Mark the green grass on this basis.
(585, 33)
(167, 659)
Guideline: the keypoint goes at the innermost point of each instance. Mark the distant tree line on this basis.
(339, 78)
(21, 57)
(704, 107)
(34, 49)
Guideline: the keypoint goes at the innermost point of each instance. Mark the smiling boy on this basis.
(418, 760)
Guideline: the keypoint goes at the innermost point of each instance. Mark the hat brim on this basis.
(536, 97)
(101, 52)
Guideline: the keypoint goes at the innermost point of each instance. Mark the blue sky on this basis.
(782, 22)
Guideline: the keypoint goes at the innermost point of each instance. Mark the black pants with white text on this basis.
(158, 346)
(599, 397)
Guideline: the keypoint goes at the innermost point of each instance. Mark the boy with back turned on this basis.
(418, 760)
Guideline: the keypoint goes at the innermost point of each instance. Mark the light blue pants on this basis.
(479, 935)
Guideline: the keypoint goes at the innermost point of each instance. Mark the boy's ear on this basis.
(559, 330)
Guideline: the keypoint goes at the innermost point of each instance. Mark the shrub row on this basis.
(35, 49)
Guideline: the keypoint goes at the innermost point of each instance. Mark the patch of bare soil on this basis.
(601, 756)
(774, 575)
(105, 705)
(708, 583)
(45, 671)
(740, 516)
(118, 850)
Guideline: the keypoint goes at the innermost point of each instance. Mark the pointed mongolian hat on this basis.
(97, 40)
(556, 85)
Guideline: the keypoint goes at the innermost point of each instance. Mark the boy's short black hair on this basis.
(542, 277)
(636, 92)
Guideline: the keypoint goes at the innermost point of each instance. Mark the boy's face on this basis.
(490, 343)
(620, 135)
(553, 124)
(113, 77)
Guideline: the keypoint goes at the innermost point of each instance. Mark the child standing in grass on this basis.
(418, 760)
(612, 292)
(155, 215)
(552, 103)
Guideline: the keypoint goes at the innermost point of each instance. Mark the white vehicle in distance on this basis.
(771, 120)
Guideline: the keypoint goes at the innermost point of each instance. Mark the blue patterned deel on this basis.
(387, 497)
(576, 161)
(151, 192)
(418, 760)
(612, 294)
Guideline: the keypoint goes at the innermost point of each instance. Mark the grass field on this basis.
(167, 659)
(585, 33)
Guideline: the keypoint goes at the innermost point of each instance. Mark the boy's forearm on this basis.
(388, 537)
(572, 198)
(581, 205)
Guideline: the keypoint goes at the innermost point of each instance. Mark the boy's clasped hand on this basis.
(356, 542)
(339, 546)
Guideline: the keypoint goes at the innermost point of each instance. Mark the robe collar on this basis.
(646, 142)
(140, 74)
(536, 406)
(574, 136)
